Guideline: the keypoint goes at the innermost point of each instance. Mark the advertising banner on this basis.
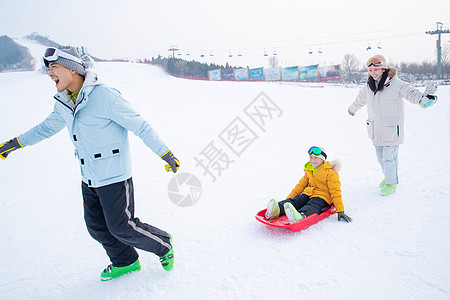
(214, 74)
(241, 74)
(272, 74)
(228, 74)
(330, 73)
(309, 73)
(256, 74)
(289, 73)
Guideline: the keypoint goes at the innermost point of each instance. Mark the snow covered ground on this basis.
(396, 248)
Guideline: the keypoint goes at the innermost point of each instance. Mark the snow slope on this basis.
(396, 248)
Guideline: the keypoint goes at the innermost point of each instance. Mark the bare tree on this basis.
(273, 61)
(350, 65)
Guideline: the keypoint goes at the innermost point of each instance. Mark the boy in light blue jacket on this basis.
(98, 120)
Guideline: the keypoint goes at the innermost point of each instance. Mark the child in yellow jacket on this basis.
(316, 191)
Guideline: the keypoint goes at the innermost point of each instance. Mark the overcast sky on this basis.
(292, 29)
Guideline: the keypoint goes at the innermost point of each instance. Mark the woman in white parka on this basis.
(383, 94)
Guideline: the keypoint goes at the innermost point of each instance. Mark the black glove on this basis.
(9, 146)
(342, 215)
(172, 162)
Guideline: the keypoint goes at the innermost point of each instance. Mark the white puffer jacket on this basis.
(385, 109)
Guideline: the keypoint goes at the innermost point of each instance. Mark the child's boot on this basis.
(388, 189)
(273, 210)
(111, 272)
(292, 214)
(382, 183)
(167, 260)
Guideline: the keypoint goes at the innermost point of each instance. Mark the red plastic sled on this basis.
(283, 222)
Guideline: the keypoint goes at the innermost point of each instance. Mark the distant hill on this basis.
(14, 57)
(44, 40)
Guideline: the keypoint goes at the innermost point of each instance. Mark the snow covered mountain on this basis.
(395, 248)
(13, 56)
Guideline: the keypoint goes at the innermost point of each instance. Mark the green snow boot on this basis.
(168, 259)
(273, 210)
(111, 272)
(292, 214)
(388, 189)
(382, 183)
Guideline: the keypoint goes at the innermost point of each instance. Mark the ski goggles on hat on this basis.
(375, 61)
(52, 54)
(316, 151)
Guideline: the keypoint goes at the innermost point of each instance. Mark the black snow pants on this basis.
(305, 204)
(109, 217)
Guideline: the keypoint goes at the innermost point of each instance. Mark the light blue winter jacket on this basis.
(98, 126)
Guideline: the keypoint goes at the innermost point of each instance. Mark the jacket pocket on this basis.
(390, 132)
(370, 130)
(309, 190)
(107, 162)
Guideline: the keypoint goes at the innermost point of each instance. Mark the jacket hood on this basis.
(336, 165)
(90, 81)
(392, 72)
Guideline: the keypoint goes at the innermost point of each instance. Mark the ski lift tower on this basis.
(438, 31)
(173, 48)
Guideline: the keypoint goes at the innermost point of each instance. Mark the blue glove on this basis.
(350, 112)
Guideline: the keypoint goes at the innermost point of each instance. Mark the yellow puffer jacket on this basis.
(323, 182)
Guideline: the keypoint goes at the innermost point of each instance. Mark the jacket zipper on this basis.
(72, 110)
(76, 105)
(64, 104)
